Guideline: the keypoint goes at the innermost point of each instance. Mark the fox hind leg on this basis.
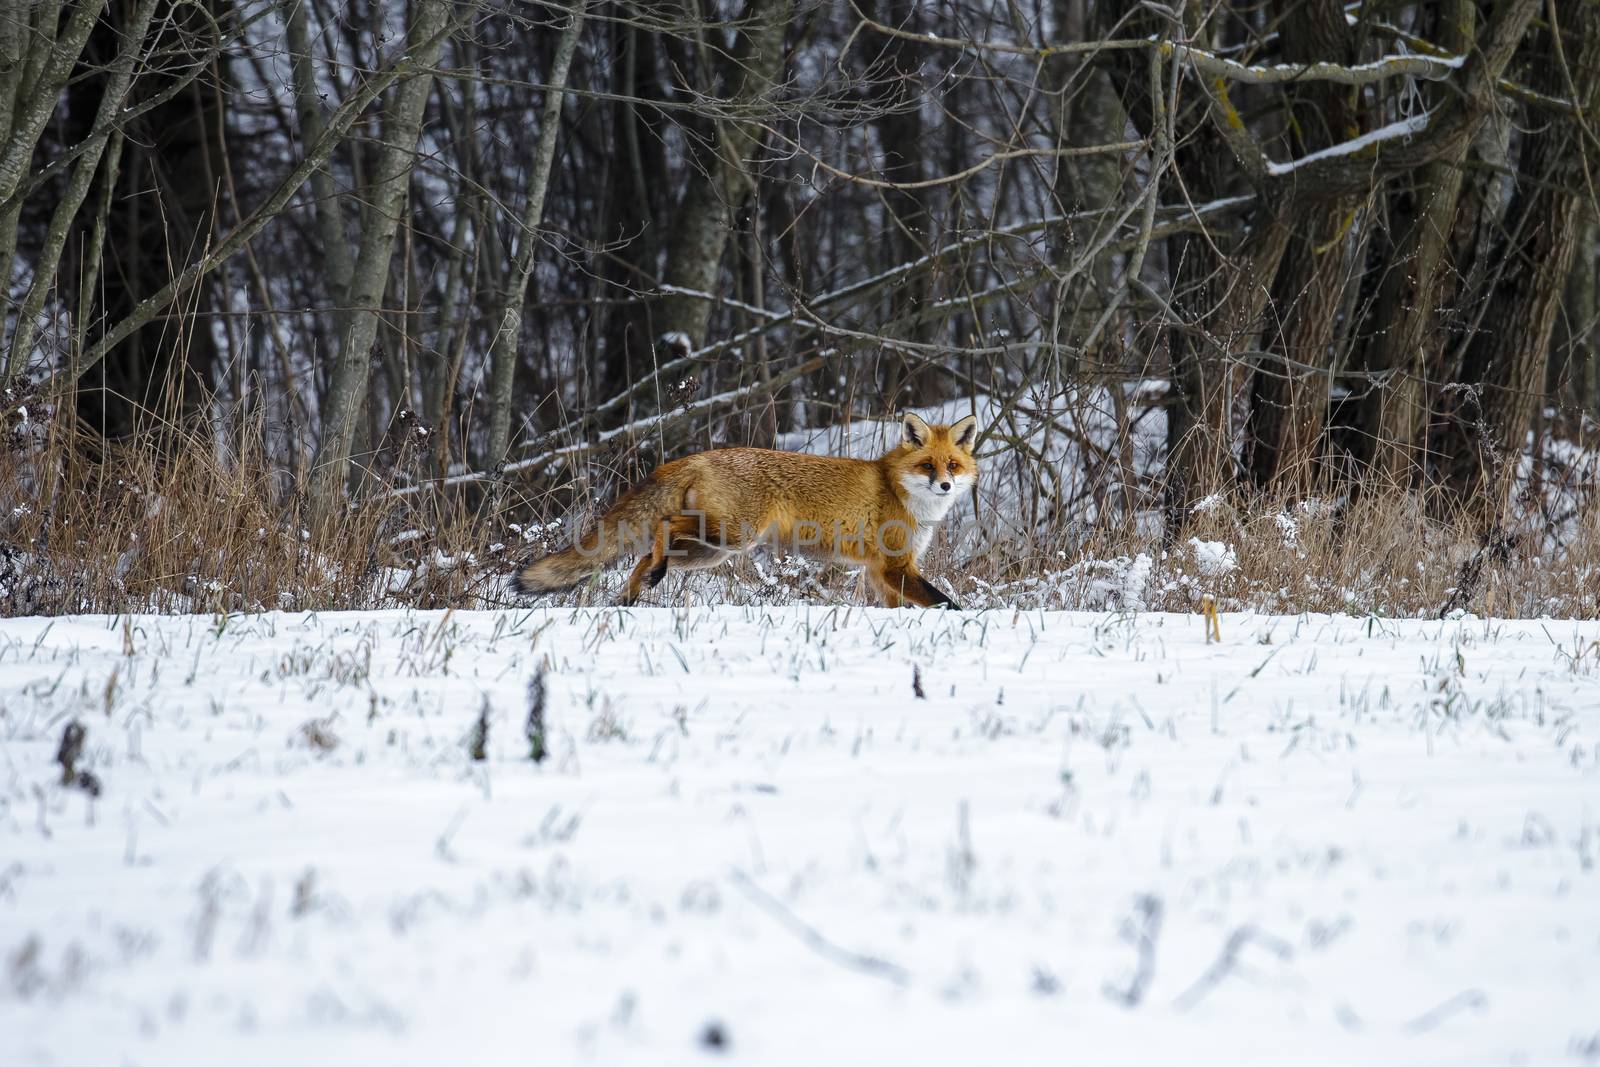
(651, 568)
(645, 570)
(677, 544)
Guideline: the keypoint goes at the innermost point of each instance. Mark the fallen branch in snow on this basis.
(1228, 962)
(813, 939)
(1466, 1000)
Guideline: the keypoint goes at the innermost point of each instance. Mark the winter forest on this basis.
(434, 270)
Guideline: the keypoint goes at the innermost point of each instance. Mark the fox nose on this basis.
(944, 487)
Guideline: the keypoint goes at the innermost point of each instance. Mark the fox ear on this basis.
(964, 432)
(914, 430)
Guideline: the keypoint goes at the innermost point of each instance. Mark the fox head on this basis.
(934, 464)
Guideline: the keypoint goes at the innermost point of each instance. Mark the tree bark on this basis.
(1289, 403)
(897, 103)
(1389, 420)
(402, 125)
(503, 354)
(1573, 371)
(1490, 415)
(633, 208)
(42, 56)
(704, 215)
(308, 111)
(113, 97)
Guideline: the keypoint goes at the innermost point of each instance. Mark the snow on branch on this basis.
(1429, 68)
(1403, 130)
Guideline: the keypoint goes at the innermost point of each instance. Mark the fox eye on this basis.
(952, 468)
(927, 467)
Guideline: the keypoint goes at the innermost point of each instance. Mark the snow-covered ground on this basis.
(1097, 839)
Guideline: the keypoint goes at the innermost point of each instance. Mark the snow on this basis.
(1214, 558)
(1288, 529)
(1121, 582)
(1394, 131)
(1324, 840)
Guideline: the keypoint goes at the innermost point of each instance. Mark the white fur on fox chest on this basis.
(928, 507)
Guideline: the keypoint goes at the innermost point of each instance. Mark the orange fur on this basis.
(697, 511)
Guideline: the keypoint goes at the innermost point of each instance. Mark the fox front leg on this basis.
(904, 586)
(936, 599)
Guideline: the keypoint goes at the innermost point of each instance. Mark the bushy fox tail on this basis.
(627, 528)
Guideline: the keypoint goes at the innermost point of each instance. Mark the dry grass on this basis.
(1380, 555)
(171, 527)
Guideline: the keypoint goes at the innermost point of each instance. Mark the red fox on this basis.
(698, 511)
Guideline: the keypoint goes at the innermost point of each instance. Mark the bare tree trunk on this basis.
(1219, 298)
(632, 208)
(465, 260)
(1572, 364)
(308, 110)
(1289, 396)
(1289, 403)
(14, 27)
(1504, 364)
(51, 62)
(509, 333)
(114, 96)
(907, 218)
(764, 429)
(407, 64)
(45, 54)
(347, 388)
(165, 206)
(704, 215)
(1389, 421)
(1086, 112)
(1218, 285)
